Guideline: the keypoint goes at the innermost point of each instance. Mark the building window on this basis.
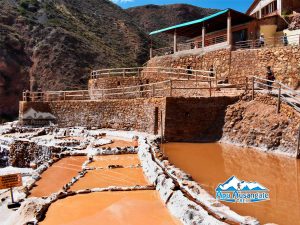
(268, 9)
(256, 15)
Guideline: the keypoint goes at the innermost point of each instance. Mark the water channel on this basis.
(212, 164)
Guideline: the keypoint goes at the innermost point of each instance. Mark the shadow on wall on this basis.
(196, 119)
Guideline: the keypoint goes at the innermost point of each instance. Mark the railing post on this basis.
(124, 73)
(246, 87)
(209, 88)
(279, 100)
(153, 90)
(139, 72)
(171, 88)
(64, 96)
(252, 88)
(298, 145)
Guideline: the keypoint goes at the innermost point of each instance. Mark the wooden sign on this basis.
(10, 181)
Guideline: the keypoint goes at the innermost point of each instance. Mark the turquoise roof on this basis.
(190, 23)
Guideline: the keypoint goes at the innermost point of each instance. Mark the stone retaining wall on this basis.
(283, 60)
(136, 114)
(184, 119)
(196, 119)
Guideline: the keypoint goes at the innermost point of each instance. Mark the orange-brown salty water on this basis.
(212, 164)
(110, 208)
(121, 143)
(123, 160)
(123, 177)
(60, 173)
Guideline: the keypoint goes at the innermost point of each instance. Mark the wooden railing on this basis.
(49, 96)
(189, 45)
(139, 71)
(268, 42)
(283, 92)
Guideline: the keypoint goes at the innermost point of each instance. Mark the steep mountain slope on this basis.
(57, 43)
(154, 17)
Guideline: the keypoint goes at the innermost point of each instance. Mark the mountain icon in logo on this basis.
(234, 184)
(239, 191)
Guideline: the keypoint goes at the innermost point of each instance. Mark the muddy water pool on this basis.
(212, 164)
(59, 174)
(125, 160)
(110, 208)
(122, 177)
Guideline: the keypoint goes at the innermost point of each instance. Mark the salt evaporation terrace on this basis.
(76, 180)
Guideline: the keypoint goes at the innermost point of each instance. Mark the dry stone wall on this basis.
(196, 119)
(136, 114)
(285, 62)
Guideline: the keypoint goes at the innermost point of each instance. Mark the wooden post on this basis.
(209, 88)
(151, 49)
(171, 88)
(175, 41)
(151, 52)
(64, 96)
(153, 90)
(139, 72)
(161, 129)
(252, 88)
(279, 100)
(12, 195)
(124, 73)
(298, 146)
(229, 30)
(203, 36)
(246, 87)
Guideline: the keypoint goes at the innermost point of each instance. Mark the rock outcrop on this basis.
(257, 124)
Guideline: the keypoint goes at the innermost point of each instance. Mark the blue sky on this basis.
(240, 5)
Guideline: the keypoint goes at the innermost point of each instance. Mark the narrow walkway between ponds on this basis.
(212, 164)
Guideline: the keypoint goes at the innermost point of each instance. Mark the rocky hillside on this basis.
(256, 124)
(154, 17)
(57, 42)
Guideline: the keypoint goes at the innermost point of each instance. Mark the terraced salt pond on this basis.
(121, 177)
(112, 207)
(211, 164)
(58, 175)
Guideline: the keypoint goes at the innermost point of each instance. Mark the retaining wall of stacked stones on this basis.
(285, 62)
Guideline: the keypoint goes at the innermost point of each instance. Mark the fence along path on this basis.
(278, 89)
(184, 82)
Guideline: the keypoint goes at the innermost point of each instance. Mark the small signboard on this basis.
(10, 181)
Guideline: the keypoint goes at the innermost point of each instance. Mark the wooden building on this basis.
(270, 14)
(218, 31)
